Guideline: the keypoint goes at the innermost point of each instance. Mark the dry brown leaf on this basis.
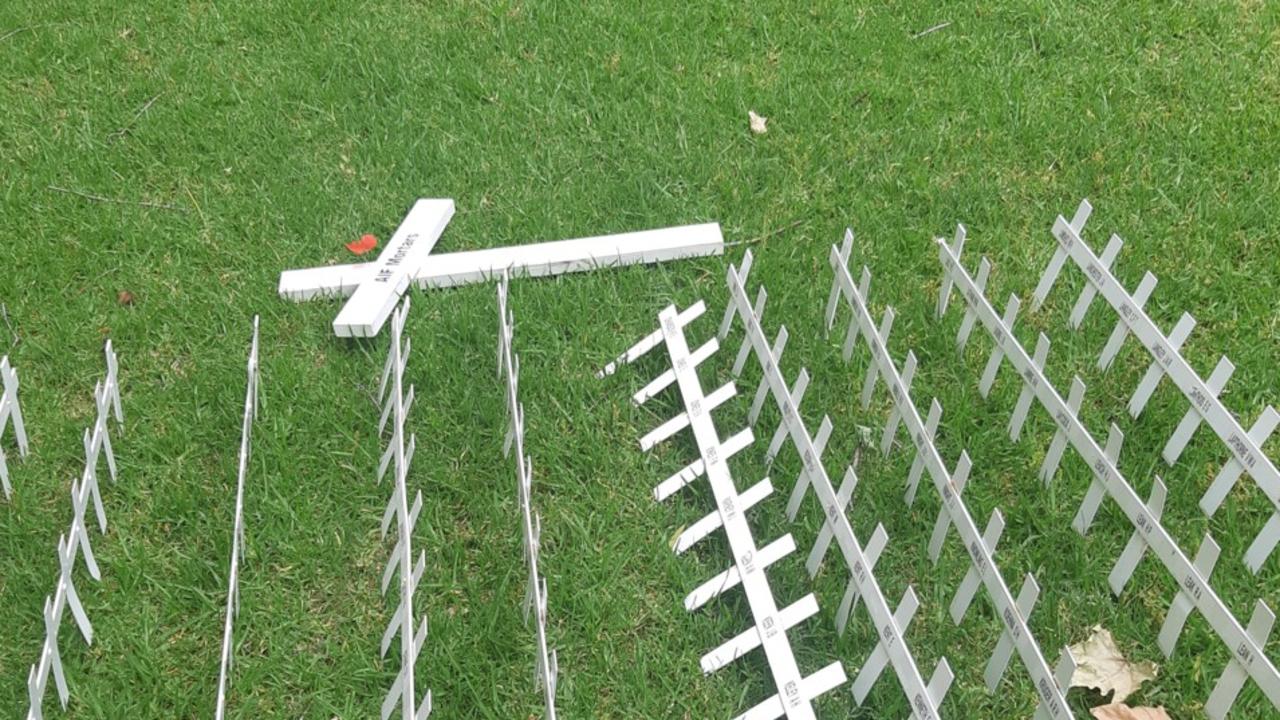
(1099, 664)
(1120, 711)
(757, 122)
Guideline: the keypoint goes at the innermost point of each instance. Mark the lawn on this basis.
(160, 164)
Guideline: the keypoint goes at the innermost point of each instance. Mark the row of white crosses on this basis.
(860, 560)
(1192, 576)
(546, 669)
(1051, 684)
(97, 442)
(1245, 446)
(395, 402)
(10, 410)
(375, 287)
(251, 405)
(794, 692)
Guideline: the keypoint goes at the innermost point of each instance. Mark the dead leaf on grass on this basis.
(758, 122)
(1100, 665)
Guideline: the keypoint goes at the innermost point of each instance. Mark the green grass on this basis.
(282, 130)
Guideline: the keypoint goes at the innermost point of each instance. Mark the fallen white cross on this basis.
(375, 287)
(9, 408)
(237, 536)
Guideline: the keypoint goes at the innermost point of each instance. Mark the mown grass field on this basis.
(223, 144)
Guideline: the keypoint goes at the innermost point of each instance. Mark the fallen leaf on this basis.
(124, 297)
(757, 122)
(1120, 711)
(1100, 665)
(366, 243)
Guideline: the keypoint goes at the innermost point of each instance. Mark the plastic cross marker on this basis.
(1149, 532)
(1137, 546)
(802, 481)
(74, 544)
(1230, 473)
(1088, 292)
(869, 385)
(695, 469)
(891, 427)
(917, 465)
(1180, 610)
(1096, 493)
(1231, 682)
(852, 593)
(825, 535)
(1168, 360)
(999, 661)
(10, 409)
(762, 390)
(969, 585)
(546, 665)
(1020, 410)
(1151, 379)
(1140, 296)
(966, 323)
(796, 396)
(237, 533)
(949, 486)
(1065, 241)
(1049, 467)
(923, 698)
(959, 479)
(997, 354)
(1191, 421)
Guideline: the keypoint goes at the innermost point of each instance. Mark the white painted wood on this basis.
(529, 260)
(237, 533)
(377, 294)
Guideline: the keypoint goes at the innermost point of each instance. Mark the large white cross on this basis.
(374, 288)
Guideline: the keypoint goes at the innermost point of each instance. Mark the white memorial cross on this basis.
(1245, 446)
(375, 287)
(396, 403)
(794, 692)
(10, 409)
(74, 544)
(892, 650)
(1051, 683)
(251, 406)
(546, 671)
(1194, 590)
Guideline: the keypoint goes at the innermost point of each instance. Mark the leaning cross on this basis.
(374, 288)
